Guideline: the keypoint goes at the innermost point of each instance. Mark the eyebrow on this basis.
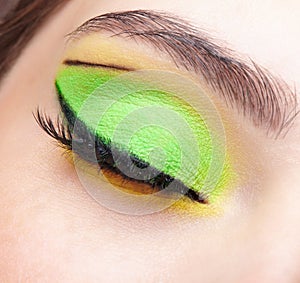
(266, 99)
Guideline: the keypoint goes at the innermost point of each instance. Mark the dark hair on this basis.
(19, 25)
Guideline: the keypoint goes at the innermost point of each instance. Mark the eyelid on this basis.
(74, 84)
(265, 99)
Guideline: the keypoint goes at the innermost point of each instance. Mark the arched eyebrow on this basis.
(266, 99)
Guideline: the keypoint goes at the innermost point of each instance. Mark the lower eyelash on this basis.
(105, 160)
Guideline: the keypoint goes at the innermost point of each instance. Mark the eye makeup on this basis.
(147, 140)
(131, 138)
(76, 82)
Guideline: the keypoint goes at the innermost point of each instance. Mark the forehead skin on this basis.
(52, 231)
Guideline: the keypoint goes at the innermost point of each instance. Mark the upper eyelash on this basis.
(63, 134)
(56, 130)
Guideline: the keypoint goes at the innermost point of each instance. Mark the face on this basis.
(64, 220)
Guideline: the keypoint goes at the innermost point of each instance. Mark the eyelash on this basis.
(62, 133)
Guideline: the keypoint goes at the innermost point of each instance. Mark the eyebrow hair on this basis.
(266, 99)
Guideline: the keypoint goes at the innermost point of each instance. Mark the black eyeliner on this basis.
(88, 147)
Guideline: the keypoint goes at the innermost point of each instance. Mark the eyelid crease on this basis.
(251, 89)
(96, 65)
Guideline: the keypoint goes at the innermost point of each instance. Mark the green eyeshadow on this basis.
(142, 123)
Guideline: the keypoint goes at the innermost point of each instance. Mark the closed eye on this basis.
(86, 147)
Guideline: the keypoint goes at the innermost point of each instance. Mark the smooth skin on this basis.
(53, 231)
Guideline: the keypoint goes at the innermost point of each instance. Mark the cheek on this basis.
(52, 230)
(51, 234)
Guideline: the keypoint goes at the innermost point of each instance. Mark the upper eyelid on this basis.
(266, 99)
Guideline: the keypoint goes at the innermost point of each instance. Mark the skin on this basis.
(53, 231)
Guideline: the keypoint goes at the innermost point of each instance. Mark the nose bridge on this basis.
(275, 247)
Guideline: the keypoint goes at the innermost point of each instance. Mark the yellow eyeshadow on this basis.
(114, 51)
